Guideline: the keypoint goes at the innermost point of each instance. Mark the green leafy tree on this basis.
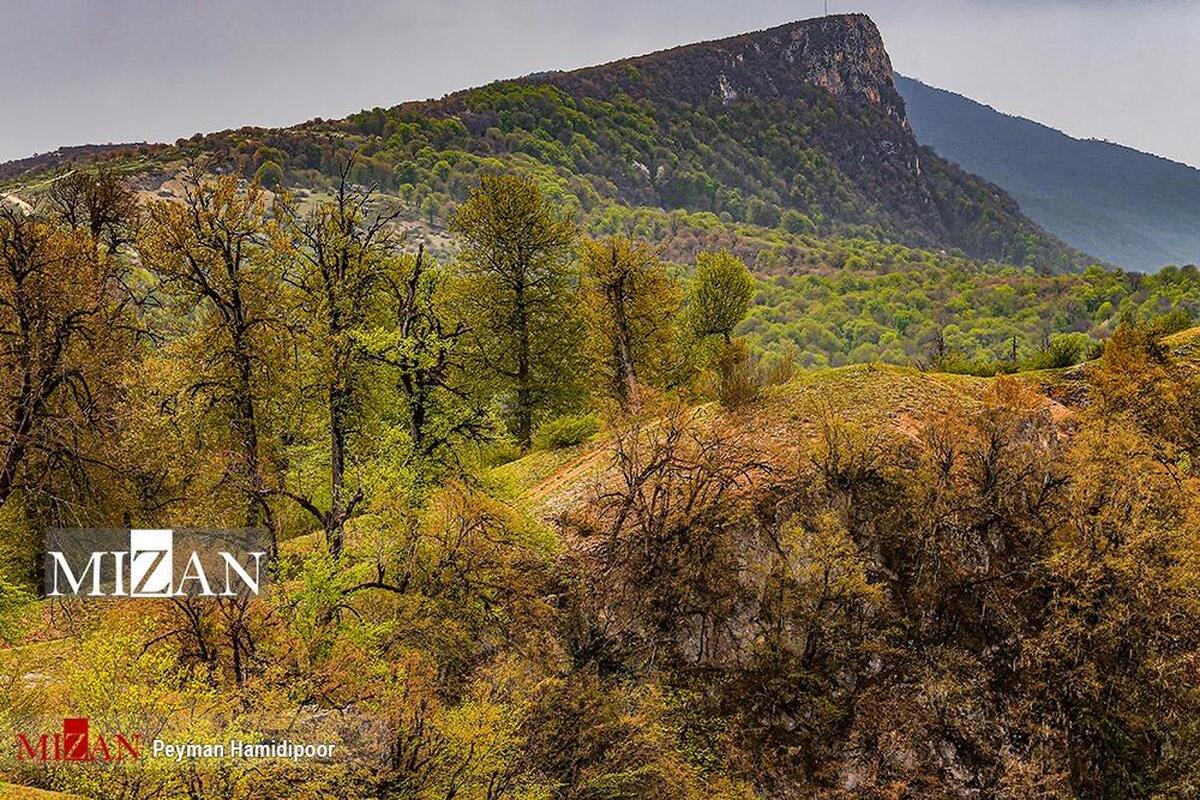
(630, 301)
(516, 295)
(421, 342)
(339, 258)
(270, 175)
(720, 296)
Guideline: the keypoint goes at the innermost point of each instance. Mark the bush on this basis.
(14, 600)
(1178, 319)
(566, 431)
(795, 222)
(735, 375)
(1065, 350)
(500, 452)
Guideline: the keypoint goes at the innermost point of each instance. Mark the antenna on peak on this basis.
(827, 8)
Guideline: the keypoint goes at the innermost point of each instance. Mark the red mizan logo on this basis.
(76, 744)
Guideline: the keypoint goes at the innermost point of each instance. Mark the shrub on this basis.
(14, 600)
(500, 452)
(736, 379)
(1065, 350)
(1176, 320)
(566, 431)
(795, 222)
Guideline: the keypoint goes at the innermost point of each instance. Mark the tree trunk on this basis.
(626, 377)
(416, 422)
(524, 376)
(246, 424)
(335, 526)
(35, 390)
(15, 452)
(249, 435)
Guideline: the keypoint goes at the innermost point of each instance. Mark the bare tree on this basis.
(663, 568)
(99, 202)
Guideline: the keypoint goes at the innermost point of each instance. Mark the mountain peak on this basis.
(798, 125)
(842, 54)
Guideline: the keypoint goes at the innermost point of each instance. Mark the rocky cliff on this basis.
(842, 54)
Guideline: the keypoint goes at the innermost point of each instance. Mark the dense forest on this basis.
(547, 525)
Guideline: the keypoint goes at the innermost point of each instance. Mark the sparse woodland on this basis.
(553, 521)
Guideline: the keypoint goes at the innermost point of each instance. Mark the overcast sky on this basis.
(76, 71)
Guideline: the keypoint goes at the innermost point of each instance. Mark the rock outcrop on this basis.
(842, 54)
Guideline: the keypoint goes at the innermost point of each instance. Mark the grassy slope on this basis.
(898, 398)
(546, 483)
(1186, 345)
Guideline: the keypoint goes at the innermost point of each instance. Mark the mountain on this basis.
(797, 127)
(1126, 207)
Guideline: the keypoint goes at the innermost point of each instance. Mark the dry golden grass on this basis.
(10, 791)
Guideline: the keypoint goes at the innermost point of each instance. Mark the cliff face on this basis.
(809, 119)
(842, 54)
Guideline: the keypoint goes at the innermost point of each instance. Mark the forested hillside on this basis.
(544, 526)
(1122, 206)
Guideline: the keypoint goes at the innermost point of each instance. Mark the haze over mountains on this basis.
(1127, 207)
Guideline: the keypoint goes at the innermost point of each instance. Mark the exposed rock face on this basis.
(842, 54)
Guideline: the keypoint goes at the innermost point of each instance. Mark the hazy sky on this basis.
(73, 71)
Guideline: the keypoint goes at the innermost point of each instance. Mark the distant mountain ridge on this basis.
(1127, 207)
